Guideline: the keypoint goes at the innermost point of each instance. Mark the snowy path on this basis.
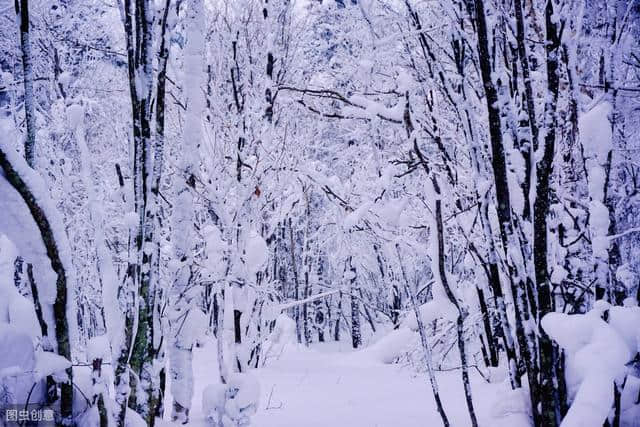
(311, 388)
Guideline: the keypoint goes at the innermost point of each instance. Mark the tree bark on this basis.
(549, 399)
(22, 10)
(356, 334)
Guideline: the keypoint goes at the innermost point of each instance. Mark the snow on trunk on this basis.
(597, 141)
(31, 220)
(187, 321)
(107, 274)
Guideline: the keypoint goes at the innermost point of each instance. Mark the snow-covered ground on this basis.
(327, 385)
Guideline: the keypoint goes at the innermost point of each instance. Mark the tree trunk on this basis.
(549, 399)
(22, 10)
(426, 347)
(356, 335)
(50, 239)
(462, 314)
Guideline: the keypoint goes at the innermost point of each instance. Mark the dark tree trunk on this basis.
(492, 344)
(22, 10)
(338, 314)
(356, 335)
(549, 399)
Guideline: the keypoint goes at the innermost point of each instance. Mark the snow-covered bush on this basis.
(601, 347)
(231, 404)
(17, 364)
(283, 334)
(394, 345)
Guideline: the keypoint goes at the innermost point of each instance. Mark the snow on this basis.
(597, 353)
(356, 199)
(325, 385)
(597, 140)
(48, 363)
(597, 178)
(242, 393)
(389, 348)
(22, 315)
(181, 374)
(17, 363)
(98, 348)
(592, 403)
(437, 308)
(626, 276)
(108, 277)
(215, 247)
(353, 218)
(284, 331)
(599, 216)
(392, 211)
(558, 274)
(131, 220)
(595, 131)
(75, 115)
(256, 252)
(65, 78)
(18, 224)
(213, 398)
(193, 329)
(511, 407)
(17, 349)
(367, 108)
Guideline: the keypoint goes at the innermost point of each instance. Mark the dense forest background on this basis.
(454, 184)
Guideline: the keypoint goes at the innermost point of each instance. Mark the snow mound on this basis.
(597, 353)
(17, 362)
(391, 347)
(232, 404)
(511, 407)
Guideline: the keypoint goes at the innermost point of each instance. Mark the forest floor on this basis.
(331, 386)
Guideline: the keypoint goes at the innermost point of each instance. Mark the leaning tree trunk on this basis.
(441, 274)
(437, 256)
(426, 347)
(62, 335)
(17, 176)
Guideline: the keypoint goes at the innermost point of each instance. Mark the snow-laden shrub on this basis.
(283, 334)
(439, 318)
(394, 345)
(23, 363)
(601, 347)
(232, 404)
(511, 407)
(17, 364)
